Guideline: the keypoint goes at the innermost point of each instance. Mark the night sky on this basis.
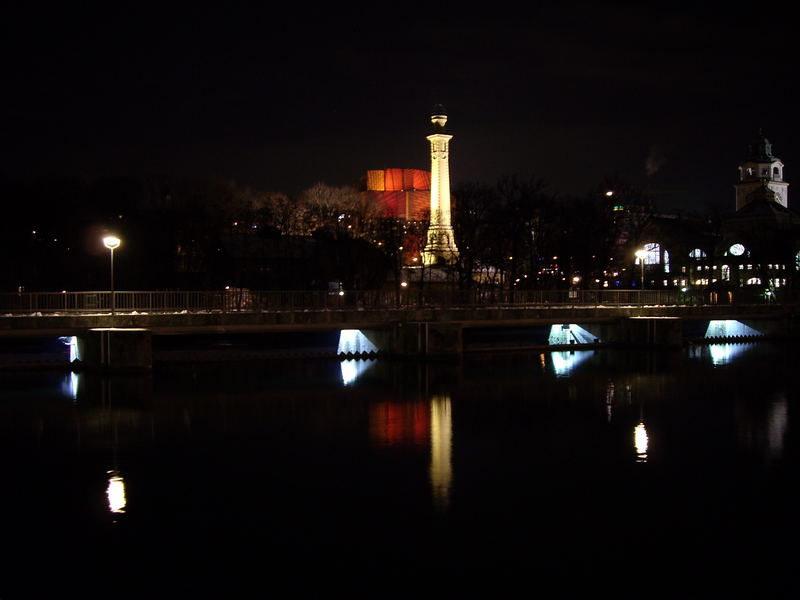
(667, 100)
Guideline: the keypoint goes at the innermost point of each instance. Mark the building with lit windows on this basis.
(757, 247)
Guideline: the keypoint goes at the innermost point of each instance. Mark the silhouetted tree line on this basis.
(519, 234)
(208, 233)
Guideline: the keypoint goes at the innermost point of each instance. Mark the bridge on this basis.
(407, 322)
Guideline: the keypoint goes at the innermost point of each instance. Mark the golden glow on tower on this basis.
(440, 246)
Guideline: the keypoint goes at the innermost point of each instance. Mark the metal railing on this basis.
(225, 301)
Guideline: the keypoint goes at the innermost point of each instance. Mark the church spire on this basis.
(760, 149)
(761, 168)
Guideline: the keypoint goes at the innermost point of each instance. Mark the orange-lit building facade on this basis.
(401, 193)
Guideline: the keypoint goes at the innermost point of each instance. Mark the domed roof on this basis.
(762, 194)
(438, 118)
(760, 150)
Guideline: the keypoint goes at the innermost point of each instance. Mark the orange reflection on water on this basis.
(400, 423)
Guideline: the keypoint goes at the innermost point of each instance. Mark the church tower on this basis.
(760, 168)
(440, 246)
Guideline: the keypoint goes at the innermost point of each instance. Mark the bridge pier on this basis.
(115, 348)
(428, 339)
(651, 331)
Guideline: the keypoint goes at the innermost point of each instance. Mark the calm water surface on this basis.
(649, 474)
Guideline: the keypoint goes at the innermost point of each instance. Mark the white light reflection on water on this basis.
(69, 386)
(354, 368)
(441, 470)
(565, 362)
(777, 424)
(116, 493)
(640, 442)
(609, 399)
(722, 354)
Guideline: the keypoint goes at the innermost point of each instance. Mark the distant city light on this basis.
(610, 193)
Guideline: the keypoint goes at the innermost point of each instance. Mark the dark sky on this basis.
(668, 99)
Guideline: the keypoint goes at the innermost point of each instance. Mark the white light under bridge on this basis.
(570, 333)
(72, 342)
(730, 329)
(353, 342)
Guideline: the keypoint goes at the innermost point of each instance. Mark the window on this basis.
(652, 254)
(736, 249)
(726, 272)
(697, 254)
(754, 281)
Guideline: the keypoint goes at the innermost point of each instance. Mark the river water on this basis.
(645, 473)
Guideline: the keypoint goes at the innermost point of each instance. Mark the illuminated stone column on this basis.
(440, 246)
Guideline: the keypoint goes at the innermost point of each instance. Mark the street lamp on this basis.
(112, 242)
(640, 254)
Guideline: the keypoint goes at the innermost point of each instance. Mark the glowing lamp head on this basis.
(640, 254)
(111, 242)
(609, 193)
(439, 116)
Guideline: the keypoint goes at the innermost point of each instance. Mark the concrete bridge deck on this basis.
(185, 322)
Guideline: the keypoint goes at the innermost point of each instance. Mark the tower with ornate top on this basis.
(440, 246)
(761, 168)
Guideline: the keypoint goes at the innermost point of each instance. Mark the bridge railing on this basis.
(279, 301)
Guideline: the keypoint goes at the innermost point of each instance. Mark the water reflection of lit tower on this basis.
(640, 441)
(115, 492)
(609, 399)
(441, 470)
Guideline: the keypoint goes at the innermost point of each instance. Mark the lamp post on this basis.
(640, 254)
(112, 243)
